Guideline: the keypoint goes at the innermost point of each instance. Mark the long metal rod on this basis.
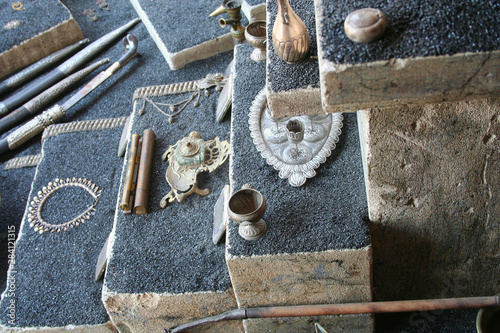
(31, 71)
(63, 70)
(346, 308)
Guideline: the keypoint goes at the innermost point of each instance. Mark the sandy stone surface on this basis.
(350, 87)
(152, 312)
(40, 46)
(433, 190)
(302, 278)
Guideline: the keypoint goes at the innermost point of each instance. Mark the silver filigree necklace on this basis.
(35, 210)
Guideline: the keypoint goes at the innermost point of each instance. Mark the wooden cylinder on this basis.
(129, 176)
(144, 173)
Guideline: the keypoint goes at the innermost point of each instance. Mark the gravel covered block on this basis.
(198, 37)
(163, 267)
(29, 34)
(254, 9)
(316, 249)
(50, 284)
(431, 52)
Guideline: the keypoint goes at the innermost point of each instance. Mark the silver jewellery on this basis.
(211, 80)
(295, 146)
(35, 210)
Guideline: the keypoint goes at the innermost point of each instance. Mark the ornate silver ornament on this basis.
(216, 80)
(188, 157)
(35, 218)
(294, 146)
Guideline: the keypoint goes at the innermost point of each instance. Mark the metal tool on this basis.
(102, 260)
(63, 70)
(32, 107)
(31, 71)
(345, 308)
(57, 112)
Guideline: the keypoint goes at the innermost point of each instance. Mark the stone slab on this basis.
(163, 268)
(200, 36)
(50, 283)
(317, 217)
(152, 312)
(433, 186)
(26, 38)
(316, 248)
(293, 89)
(19, 179)
(335, 276)
(430, 53)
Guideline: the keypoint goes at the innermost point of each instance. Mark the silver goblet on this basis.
(255, 34)
(246, 207)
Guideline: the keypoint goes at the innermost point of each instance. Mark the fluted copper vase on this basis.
(290, 36)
